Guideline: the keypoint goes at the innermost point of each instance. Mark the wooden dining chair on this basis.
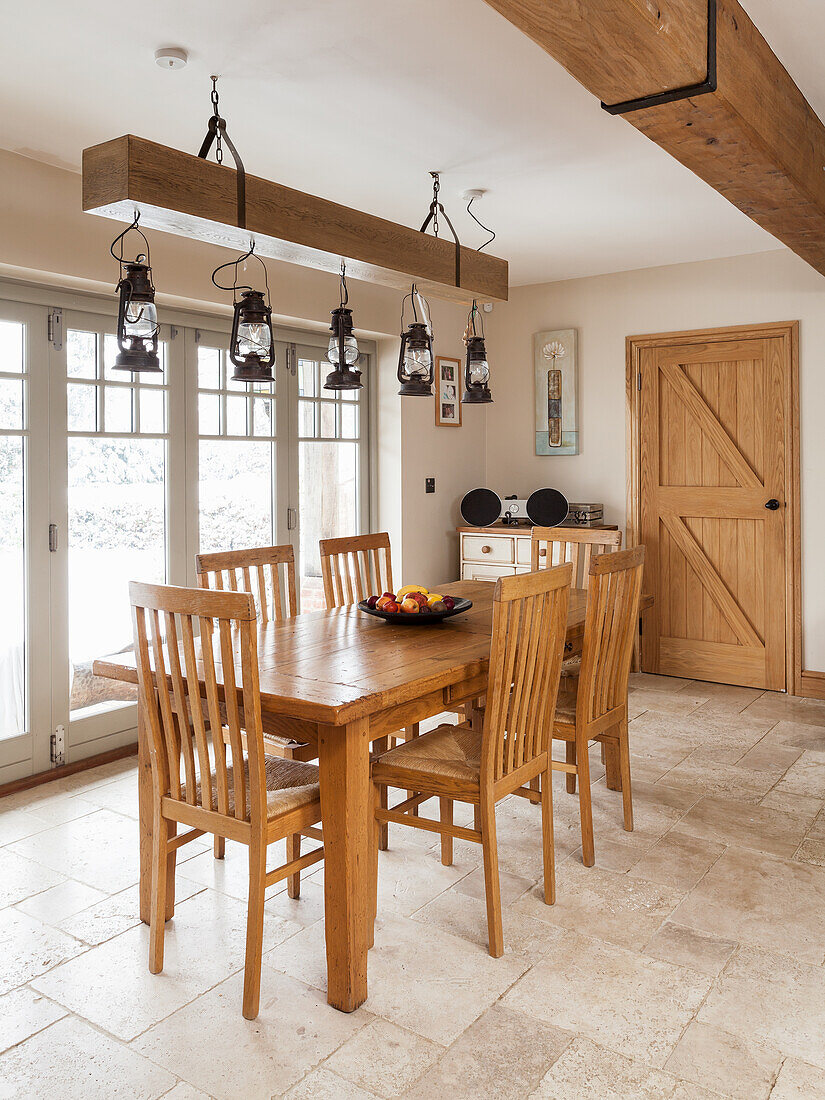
(553, 545)
(458, 762)
(593, 705)
(225, 785)
(268, 572)
(355, 568)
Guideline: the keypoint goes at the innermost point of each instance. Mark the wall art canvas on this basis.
(447, 392)
(556, 373)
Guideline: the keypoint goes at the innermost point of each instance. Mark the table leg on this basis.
(145, 812)
(346, 812)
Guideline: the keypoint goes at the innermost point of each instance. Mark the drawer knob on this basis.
(542, 553)
(486, 549)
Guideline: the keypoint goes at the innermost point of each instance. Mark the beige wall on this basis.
(45, 237)
(770, 286)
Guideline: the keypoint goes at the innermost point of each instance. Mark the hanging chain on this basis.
(216, 112)
(435, 205)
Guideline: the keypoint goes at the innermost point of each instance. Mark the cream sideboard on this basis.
(497, 551)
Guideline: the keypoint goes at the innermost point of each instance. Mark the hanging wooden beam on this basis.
(755, 139)
(179, 193)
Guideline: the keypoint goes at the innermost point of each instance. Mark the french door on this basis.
(107, 477)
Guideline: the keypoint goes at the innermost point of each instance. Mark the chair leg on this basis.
(585, 808)
(570, 777)
(547, 840)
(446, 815)
(171, 862)
(219, 847)
(375, 839)
(293, 851)
(382, 744)
(254, 928)
(157, 918)
(534, 786)
(624, 764)
(492, 885)
(612, 765)
(410, 732)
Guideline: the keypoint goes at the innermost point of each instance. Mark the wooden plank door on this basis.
(712, 508)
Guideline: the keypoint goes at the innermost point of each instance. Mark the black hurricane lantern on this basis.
(251, 343)
(343, 352)
(415, 360)
(137, 318)
(476, 367)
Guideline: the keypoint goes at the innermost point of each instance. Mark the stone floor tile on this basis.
(204, 943)
(115, 913)
(681, 702)
(322, 1084)
(799, 1081)
(725, 780)
(813, 852)
(599, 903)
(304, 910)
(255, 1059)
(100, 849)
(384, 1059)
(677, 860)
(729, 821)
(230, 875)
(631, 1004)
(466, 918)
(817, 829)
(22, 1014)
(586, 1071)
(651, 682)
(800, 735)
(805, 777)
(61, 901)
(409, 878)
(784, 708)
(727, 697)
(21, 877)
(772, 999)
(686, 947)
(29, 948)
(73, 1061)
(725, 1063)
(512, 886)
(496, 1056)
(183, 1091)
(799, 805)
(754, 898)
(431, 982)
(16, 824)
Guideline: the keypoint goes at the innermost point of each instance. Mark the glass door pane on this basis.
(237, 455)
(25, 715)
(116, 446)
(331, 457)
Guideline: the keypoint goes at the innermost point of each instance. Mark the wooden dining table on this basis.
(341, 679)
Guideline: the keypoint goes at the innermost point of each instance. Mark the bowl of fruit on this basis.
(414, 605)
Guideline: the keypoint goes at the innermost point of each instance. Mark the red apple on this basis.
(391, 606)
(372, 601)
(448, 602)
(411, 606)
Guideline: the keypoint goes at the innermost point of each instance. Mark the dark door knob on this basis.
(772, 504)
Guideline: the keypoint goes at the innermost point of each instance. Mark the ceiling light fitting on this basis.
(343, 351)
(415, 360)
(476, 367)
(171, 57)
(251, 342)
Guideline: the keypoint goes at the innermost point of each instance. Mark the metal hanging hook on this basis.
(216, 132)
(436, 208)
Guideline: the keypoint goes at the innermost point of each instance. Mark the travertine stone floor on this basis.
(687, 964)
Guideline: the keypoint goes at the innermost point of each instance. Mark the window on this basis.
(13, 382)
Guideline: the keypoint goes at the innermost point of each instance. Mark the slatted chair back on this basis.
(181, 634)
(268, 572)
(610, 627)
(527, 645)
(551, 546)
(356, 568)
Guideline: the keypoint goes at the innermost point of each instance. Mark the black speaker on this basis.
(547, 508)
(480, 507)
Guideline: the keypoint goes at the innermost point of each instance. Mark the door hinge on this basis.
(55, 328)
(291, 519)
(639, 380)
(292, 359)
(52, 537)
(197, 335)
(57, 747)
(173, 332)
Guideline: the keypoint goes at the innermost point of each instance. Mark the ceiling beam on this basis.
(755, 139)
(180, 193)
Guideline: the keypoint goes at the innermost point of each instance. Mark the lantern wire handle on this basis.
(235, 265)
(119, 239)
(344, 292)
(416, 296)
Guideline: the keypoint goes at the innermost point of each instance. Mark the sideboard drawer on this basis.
(471, 571)
(524, 548)
(492, 549)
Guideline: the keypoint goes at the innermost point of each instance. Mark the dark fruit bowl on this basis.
(416, 620)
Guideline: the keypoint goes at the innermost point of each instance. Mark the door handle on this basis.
(772, 504)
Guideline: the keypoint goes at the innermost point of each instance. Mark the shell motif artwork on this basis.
(556, 377)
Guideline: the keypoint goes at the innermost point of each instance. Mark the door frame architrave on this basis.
(797, 681)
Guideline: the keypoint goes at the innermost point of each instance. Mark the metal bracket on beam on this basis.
(709, 84)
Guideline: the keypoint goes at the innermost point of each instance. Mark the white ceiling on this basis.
(357, 99)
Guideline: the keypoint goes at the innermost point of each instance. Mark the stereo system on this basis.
(544, 508)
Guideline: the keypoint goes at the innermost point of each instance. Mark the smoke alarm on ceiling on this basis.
(171, 57)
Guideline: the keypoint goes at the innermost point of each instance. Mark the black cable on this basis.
(486, 228)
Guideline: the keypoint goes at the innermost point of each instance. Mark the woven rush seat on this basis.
(289, 784)
(451, 752)
(566, 700)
